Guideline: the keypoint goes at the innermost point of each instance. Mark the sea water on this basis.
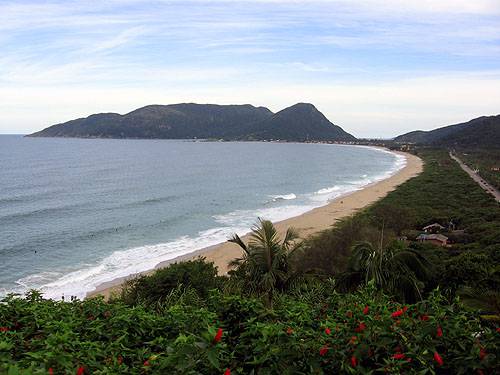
(75, 213)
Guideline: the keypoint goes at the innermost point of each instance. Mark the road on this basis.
(486, 186)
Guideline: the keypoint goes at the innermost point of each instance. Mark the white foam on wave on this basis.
(121, 263)
(285, 197)
(247, 218)
(124, 263)
(328, 190)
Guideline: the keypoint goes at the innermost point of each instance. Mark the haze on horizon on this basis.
(377, 68)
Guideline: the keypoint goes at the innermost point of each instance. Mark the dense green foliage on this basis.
(482, 132)
(172, 282)
(394, 269)
(300, 122)
(265, 267)
(313, 331)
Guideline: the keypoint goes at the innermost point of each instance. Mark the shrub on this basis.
(177, 280)
(362, 332)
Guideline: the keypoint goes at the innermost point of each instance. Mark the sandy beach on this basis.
(311, 222)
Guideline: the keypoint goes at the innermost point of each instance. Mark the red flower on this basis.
(3, 329)
(361, 327)
(327, 331)
(80, 371)
(405, 309)
(366, 310)
(398, 356)
(438, 359)
(146, 363)
(395, 314)
(51, 372)
(289, 330)
(119, 359)
(218, 335)
(498, 329)
(354, 361)
(424, 318)
(227, 372)
(482, 353)
(323, 351)
(439, 332)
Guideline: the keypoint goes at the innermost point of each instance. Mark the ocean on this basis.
(75, 213)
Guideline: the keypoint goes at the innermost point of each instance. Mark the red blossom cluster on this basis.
(438, 359)
(482, 353)
(354, 361)
(360, 328)
(397, 313)
(439, 331)
(218, 336)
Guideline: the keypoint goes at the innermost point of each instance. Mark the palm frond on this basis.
(238, 241)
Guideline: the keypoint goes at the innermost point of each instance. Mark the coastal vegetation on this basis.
(362, 297)
(314, 330)
(442, 194)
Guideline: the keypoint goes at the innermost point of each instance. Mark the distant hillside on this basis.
(300, 122)
(480, 132)
(204, 121)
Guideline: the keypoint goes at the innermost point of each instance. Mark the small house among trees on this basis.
(433, 228)
(436, 239)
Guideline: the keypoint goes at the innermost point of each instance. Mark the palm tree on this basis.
(265, 264)
(396, 270)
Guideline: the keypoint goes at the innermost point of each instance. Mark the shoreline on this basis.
(308, 223)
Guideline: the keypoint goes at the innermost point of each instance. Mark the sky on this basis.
(378, 68)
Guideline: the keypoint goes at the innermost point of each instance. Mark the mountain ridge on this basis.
(300, 122)
(482, 131)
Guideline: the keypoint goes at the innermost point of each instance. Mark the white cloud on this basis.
(62, 61)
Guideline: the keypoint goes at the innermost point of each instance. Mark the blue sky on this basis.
(377, 68)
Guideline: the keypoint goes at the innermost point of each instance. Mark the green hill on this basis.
(482, 132)
(300, 122)
(205, 121)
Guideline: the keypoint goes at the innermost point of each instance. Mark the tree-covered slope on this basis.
(163, 121)
(204, 121)
(482, 132)
(300, 122)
